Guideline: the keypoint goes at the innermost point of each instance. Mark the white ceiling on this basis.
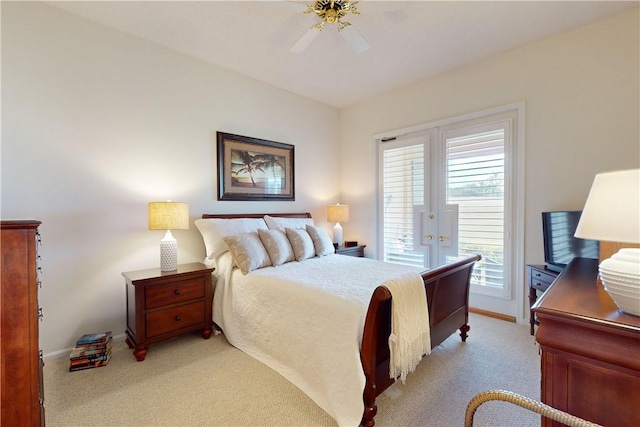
(410, 40)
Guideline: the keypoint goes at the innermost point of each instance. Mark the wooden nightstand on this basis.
(161, 305)
(539, 279)
(357, 251)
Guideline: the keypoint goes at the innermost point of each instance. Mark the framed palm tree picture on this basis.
(254, 169)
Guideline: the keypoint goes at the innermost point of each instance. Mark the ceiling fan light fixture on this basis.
(332, 11)
(331, 16)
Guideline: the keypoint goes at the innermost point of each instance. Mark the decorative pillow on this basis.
(279, 223)
(301, 243)
(248, 252)
(214, 230)
(321, 241)
(277, 246)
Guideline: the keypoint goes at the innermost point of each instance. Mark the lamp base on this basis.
(337, 234)
(168, 253)
(620, 276)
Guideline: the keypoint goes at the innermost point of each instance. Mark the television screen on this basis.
(560, 245)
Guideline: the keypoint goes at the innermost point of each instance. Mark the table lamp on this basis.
(337, 213)
(612, 214)
(168, 216)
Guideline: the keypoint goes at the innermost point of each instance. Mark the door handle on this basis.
(443, 238)
(429, 236)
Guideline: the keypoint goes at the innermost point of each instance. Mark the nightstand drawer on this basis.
(540, 285)
(541, 278)
(161, 322)
(185, 290)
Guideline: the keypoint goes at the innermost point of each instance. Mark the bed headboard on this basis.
(259, 215)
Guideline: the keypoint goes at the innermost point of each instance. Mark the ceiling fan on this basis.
(331, 12)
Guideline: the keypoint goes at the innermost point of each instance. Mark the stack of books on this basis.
(91, 351)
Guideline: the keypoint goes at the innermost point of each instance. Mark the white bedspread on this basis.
(305, 320)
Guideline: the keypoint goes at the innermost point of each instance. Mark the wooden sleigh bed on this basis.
(447, 291)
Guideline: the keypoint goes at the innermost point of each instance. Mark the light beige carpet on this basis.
(189, 381)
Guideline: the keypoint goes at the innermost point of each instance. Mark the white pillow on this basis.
(301, 243)
(280, 223)
(321, 241)
(248, 252)
(214, 230)
(277, 246)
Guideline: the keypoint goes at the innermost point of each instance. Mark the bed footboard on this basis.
(447, 289)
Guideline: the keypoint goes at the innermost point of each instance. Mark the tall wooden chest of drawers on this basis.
(22, 388)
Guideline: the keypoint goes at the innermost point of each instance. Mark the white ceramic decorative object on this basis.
(620, 276)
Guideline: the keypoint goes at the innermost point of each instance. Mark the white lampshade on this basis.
(168, 216)
(337, 213)
(612, 210)
(612, 214)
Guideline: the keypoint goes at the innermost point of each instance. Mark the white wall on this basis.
(581, 90)
(96, 124)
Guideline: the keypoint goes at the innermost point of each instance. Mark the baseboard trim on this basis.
(487, 313)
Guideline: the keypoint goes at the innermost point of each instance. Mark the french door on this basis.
(446, 192)
(412, 232)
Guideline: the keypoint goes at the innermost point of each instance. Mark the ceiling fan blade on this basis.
(354, 39)
(305, 40)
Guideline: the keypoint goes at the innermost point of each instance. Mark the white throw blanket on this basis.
(410, 337)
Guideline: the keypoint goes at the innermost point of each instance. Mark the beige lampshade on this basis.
(338, 213)
(612, 210)
(168, 216)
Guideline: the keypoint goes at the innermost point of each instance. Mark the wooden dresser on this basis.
(22, 388)
(590, 350)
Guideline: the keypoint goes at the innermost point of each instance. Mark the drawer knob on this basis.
(177, 292)
(178, 318)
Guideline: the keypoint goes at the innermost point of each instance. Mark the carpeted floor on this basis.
(189, 381)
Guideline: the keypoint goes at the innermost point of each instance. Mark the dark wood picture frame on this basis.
(254, 169)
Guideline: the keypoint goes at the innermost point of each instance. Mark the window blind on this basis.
(403, 188)
(475, 181)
